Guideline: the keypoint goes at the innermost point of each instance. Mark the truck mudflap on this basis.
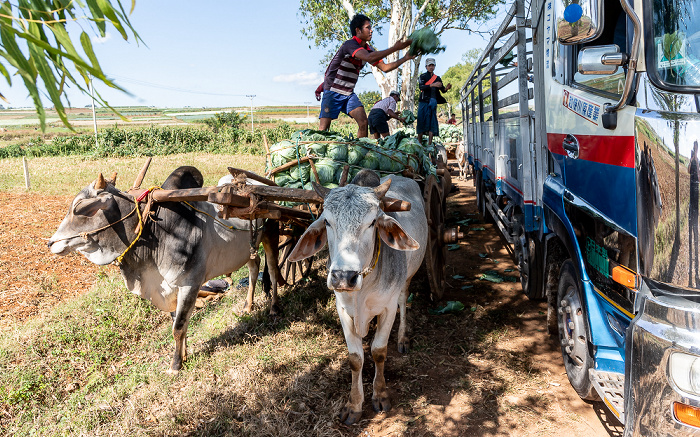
(663, 343)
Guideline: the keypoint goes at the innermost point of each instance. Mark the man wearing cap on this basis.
(344, 70)
(431, 89)
(380, 114)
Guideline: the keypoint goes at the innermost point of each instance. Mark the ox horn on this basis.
(381, 190)
(100, 182)
(113, 179)
(320, 189)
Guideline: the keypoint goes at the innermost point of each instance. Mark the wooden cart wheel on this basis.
(292, 272)
(436, 252)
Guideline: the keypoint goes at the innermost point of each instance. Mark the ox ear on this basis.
(311, 241)
(393, 234)
(381, 190)
(89, 207)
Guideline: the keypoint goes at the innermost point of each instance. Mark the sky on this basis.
(214, 53)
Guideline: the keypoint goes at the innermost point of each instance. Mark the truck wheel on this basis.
(573, 332)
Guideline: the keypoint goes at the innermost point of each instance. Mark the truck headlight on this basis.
(684, 371)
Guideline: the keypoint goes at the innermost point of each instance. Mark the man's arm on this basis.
(393, 114)
(376, 56)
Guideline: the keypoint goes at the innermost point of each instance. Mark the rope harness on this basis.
(377, 250)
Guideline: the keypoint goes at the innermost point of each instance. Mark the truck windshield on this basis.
(676, 41)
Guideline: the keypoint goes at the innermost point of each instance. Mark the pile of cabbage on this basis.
(409, 116)
(451, 133)
(390, 155)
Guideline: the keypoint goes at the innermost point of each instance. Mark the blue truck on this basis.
(581, 124)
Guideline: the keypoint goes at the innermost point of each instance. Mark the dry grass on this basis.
(68, 175)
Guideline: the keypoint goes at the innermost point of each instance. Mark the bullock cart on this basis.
(250, 196)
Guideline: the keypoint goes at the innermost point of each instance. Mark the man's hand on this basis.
(399, 45)
(448, 87)
(318, 92)
(318, 96)
(436, 84)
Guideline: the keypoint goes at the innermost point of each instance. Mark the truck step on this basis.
(611, 389)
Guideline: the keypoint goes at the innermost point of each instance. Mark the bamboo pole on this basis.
(142, 174)
(27, 182)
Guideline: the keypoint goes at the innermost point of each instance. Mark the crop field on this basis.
(81, 355)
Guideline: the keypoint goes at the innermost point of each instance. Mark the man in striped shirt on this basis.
(344, 70)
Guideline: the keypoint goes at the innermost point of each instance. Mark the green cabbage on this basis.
(356, 153)
(370, 161)
(317, 149)
(337, 152)
(424, 41)
(283, 179)
(300, 172)
(326, 169)
(410, 146)
(330, 185)
(282, 152)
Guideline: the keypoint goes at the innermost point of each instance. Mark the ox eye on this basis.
(325, 222)
(373, 223)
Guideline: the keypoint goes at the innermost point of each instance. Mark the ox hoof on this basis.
(349, 417)
(248, 308)
(381, 403)
(275, 310)
(403, 346)
(172, 371)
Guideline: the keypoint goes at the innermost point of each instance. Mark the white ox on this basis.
(373, 256)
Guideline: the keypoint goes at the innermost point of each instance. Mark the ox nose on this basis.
(344, 279)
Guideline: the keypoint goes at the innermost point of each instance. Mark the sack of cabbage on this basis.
(332, 151)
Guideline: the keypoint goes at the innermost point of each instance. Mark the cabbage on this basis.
(330, 185)
(308, 186)
(356, 153)
(283, 179)
(326, 169)
(424, 41)
(410, 146)
(300, 172)
(414, 163)
(337, 152)
(370, 161)
(317, 149)
(282, 152)
(392, 161)
(408, 116)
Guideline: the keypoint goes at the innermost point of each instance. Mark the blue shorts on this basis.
(333, 103)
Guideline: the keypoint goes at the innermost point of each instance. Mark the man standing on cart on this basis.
(431, 89)
(380, 114)
(344, 70)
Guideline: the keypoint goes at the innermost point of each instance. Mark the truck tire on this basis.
(576, 348)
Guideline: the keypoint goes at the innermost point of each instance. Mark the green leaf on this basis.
(452, 306)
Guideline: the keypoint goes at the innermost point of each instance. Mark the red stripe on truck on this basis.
(605, 149)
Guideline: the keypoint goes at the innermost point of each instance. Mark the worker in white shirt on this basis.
(380, 114)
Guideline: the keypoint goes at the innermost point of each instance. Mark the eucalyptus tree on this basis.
(326, 25)
(40, 42)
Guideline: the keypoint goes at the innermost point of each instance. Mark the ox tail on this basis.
(266, 282)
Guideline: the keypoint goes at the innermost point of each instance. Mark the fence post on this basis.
(27, 183)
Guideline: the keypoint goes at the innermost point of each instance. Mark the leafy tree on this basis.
(35, 45)
(326, 24)
(221, 120)
(369, 98)
(457, 75)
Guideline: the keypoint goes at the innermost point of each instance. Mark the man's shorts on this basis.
(333, 103)
(377, 120)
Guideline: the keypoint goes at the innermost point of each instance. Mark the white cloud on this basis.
(100, 39)
(301, 78)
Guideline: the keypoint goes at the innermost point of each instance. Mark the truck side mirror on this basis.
(578, 22)
(601, 59)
